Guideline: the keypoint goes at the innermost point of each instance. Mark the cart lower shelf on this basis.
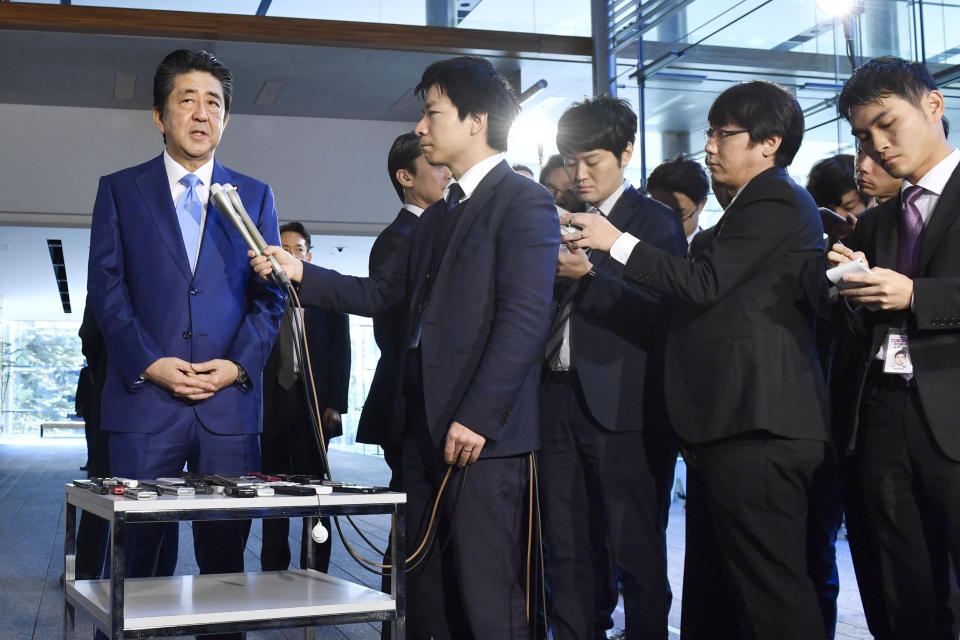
(183, 601)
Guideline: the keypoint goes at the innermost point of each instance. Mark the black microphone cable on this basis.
(303, 349)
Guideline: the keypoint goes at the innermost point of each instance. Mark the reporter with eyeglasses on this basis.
(742, 343)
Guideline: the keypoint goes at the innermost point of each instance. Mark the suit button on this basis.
(187, 334)
(194, 292)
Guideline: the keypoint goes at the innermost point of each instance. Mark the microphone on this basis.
(227, 202)
(319, 533)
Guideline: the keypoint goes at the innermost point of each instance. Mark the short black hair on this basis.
(764, 109)
(297, 227)
(553, 163)
(184, 61)
(597, 123)
(403, 155)
(832, 178)
(883, 77)
(680, 175)
(522, 167)
(474, 86)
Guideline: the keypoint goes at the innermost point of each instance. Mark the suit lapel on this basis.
(944, 214)
(470, 212)
(155, 191)
(620, 217)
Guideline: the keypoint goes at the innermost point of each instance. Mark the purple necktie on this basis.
(911, 224)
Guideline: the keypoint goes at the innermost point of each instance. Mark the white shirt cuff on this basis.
(623, 247)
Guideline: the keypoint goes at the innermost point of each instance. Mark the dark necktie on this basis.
(454, 194)
(287, 365)
(565, 291)
(441, 236)
(911, 225)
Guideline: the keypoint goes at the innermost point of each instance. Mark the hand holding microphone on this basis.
(263, 265)
(227, 202)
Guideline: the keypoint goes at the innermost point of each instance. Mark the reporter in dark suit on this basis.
(288, 443)
(601, 399)
(476, 284)
(418, 185)
(743, 343)
(904, 427)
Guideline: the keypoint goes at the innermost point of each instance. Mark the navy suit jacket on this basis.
(618, 328)
(149, 305)
(381, 421)
(486, 320)
(741, 350)
(932, 325)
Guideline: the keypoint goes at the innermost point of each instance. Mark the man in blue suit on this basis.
(476, 286)
(603, 422)
(187, 326)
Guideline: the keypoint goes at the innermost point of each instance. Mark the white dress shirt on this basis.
(603, 209)
(469, 180)
(412, 208)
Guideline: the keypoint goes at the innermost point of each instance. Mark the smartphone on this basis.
(359, 488)
(240, 492)
(139, 494)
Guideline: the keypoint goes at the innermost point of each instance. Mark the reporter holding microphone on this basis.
(742, 343)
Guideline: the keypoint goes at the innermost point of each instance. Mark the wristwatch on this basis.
(243, 380)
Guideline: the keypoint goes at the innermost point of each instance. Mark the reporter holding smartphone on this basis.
(742, 342)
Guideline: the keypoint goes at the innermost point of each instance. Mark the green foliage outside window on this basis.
(39, 366)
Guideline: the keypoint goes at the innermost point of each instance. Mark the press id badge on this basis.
(897, 354)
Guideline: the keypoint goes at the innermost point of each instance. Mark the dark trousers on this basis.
(912, 493)
(823, 525)
(93, 532)
(287, 445)
(745, 572)
(864, 547)
(218, 545)
(393, 456)
(470, 583)
(579, 459)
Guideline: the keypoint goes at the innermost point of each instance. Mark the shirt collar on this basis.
(412, 208)
(936, 179)
(175, 171)
(469, 180)
(607, 205)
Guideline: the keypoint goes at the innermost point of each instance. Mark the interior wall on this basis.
(329, 173)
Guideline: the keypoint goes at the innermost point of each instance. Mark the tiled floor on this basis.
(32, 474)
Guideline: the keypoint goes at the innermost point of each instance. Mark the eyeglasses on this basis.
(298, 250)
(721, 134)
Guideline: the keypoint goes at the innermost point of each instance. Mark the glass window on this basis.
(39, 366)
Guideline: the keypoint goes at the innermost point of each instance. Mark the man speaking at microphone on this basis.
(187, 326)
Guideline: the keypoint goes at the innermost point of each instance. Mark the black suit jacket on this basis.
(328, 338)
(741, 351)
(618, 328)
(381, 421)
(486, 319)
(933, 327)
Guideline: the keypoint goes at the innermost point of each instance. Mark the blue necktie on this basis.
(189, 211)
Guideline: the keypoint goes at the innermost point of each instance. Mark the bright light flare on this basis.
(836, 8)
